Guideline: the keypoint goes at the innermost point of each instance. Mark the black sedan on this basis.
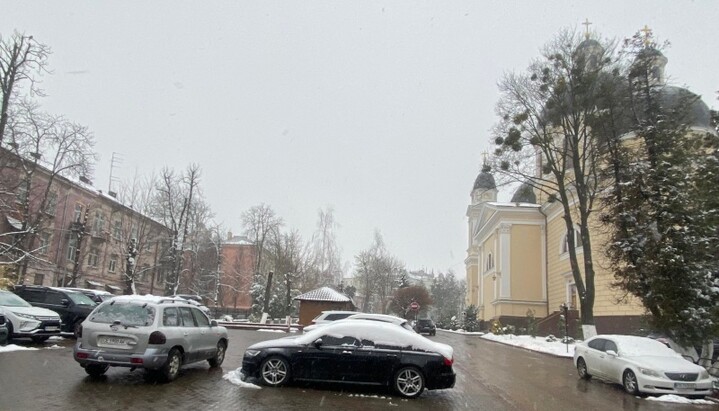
(354, 352)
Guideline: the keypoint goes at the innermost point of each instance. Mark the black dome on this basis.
(524, 194)
(699, 115)
(485, 181)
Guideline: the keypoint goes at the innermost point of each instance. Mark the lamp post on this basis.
(565, 314)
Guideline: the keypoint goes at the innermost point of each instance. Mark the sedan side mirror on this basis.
(317, 343)
(213, 323)
(612, 353)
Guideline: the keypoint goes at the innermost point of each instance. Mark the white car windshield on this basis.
(644, 347)
(12, 300)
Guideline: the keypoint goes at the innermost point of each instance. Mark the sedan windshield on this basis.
(644, 347)
(12, 300)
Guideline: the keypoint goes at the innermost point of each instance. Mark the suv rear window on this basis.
(131, 314)
(335, 317)
(424, 322)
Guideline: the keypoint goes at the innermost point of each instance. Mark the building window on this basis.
(22, 192)
(565, 241)
(117, 229)
(113, 264)
(77, 217)
(51, 203)
(98, 225)
(490, 262)
(44, 243)
(92, 258)
(71, 248)
(38, 279)
(572, 296)
(133, 231)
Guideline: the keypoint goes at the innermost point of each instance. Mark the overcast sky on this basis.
(380, 110)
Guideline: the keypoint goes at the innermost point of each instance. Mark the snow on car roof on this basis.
(380, 317)
(148, 298)
(379, 332)
(634, 346)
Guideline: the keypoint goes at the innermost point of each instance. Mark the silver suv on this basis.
(159, 334)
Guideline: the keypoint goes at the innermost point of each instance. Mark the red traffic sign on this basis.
(414, 305)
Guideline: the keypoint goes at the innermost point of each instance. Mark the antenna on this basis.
(114, 162)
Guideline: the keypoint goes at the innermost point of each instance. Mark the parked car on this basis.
(327, 317)
(195, 300)
(382, 318)
(72, 306)
(98, 296)
(692, 354)
(425, 326)
(159, 334)
(641, 365)
(354, 352)
(3, 330)
(25, 321)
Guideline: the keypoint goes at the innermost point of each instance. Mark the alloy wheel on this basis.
(409, 382)
(274, 371)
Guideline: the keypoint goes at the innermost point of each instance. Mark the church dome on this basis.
(525, 194)
(485, 181)
(699, 114)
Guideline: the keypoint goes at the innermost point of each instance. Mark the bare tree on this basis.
(41, 147)
(174, 203)
(545, 139)
(22, 59)
(378, 272)
(259, 222)
(325, 266)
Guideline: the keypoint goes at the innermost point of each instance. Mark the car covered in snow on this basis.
(326, 317)
(159, 334)
(641, 365)
(369, 353)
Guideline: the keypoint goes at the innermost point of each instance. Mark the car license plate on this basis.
(52, 328)
(684, 385)
(112, 340)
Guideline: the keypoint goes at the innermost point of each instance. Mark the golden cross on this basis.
(485, 155)
(586, 24)
(647, 34)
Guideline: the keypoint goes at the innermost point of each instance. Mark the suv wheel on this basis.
(96, 370)
(171, 369)
(219, 357)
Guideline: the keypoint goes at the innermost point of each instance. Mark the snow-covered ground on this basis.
(234, 378)
(557, 348)
(13, 347)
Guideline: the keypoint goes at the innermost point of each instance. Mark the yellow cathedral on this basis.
(517, 258)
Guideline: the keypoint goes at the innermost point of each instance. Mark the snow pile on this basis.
(535, 344)
(13, 347)
(269, 330)
(234, 378)
(679, 400)
(54, 347)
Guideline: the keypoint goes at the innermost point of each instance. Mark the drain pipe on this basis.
(546, 258)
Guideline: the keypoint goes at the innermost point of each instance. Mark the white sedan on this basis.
(641, 365)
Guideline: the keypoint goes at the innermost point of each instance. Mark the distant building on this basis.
(239, 256)
(83, 233)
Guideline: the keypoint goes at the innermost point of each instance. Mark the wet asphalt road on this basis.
(490, 376)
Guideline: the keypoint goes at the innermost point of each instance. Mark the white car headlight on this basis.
(251, 353)
(649, 372)
(28, 316)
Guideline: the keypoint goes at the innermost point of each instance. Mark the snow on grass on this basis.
(234, 378)
(13, 347)
(540, 344)
(679, 400)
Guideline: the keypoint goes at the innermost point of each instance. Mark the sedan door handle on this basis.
(346, 352)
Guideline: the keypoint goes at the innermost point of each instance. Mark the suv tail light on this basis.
(448, 361)
(157, 338)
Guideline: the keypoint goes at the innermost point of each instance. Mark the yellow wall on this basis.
(526, 262)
